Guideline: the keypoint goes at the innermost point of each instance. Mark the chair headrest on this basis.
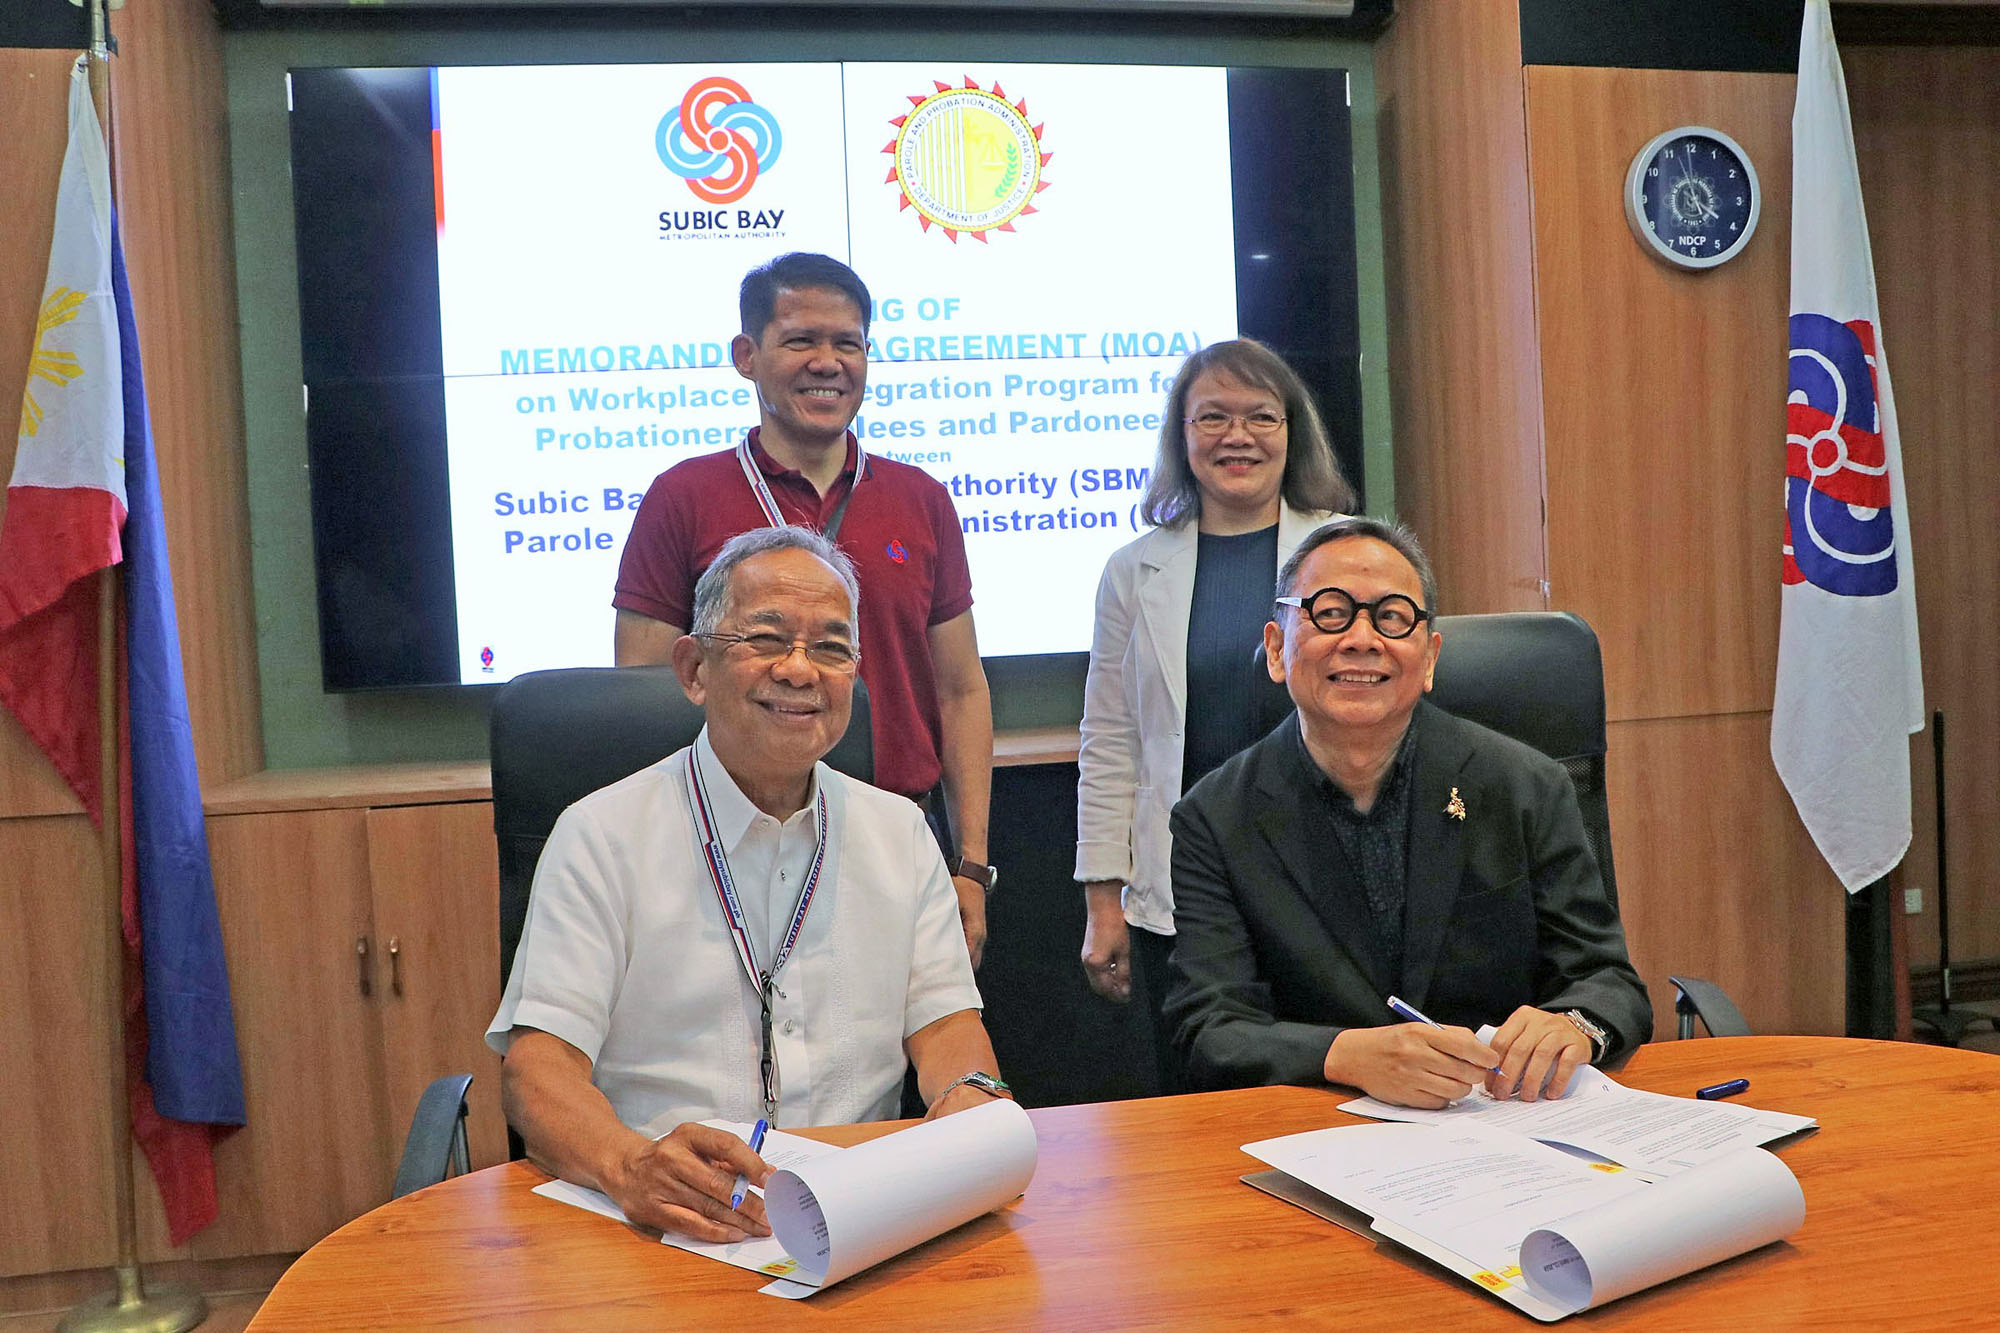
(1534, 675)
(558, 736)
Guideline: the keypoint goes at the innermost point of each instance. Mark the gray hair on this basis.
(1396, 535)
(711, 591)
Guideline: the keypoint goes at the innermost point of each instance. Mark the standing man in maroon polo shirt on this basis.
(804, 345)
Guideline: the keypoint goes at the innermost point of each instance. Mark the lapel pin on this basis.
(1455, 807)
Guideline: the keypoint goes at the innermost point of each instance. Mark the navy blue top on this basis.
(1234, 578)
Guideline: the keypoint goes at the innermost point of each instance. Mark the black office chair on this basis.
(1538, 677)
(558, 736)
(1695, 998)
(436, 1146)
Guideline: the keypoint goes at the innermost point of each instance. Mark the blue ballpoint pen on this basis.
(1408, 1012)
(743, 1182)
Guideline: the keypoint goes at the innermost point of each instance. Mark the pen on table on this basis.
(1718, 1090)
(1409, 1012)
(743, 1182)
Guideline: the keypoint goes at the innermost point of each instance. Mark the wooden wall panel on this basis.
(1717, 878)
(55, 1186)
(172, 184)
(1664, 393)
(436, 875)
(34, 102)
(29, 784)
(1458, 266)
(1930, 172)
(294, 897)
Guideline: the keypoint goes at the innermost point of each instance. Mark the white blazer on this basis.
(1134, 709)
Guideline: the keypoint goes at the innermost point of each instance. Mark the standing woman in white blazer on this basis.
(1244, 472)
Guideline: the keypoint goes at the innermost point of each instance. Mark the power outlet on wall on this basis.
(1913, 902)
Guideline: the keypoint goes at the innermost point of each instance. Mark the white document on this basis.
(1647, 1131)
(1689, 1221)
(580, 1196)
(1542, 1230)
(759, 1254)
(840, 1214)
(1473, 1192)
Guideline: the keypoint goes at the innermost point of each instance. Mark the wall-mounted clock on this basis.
(1691, 196)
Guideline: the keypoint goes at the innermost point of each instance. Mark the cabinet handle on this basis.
(395, 966)
(361, 962)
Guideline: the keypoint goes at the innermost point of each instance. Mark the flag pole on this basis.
(1950, 1024)
(130, 1308)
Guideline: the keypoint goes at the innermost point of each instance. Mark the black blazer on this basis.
(1274, 952)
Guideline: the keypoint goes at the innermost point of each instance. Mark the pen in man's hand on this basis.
(743, 1182)
(1409, 1012)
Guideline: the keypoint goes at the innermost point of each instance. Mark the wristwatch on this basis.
(981, 1080)
(1600, 1041)
(966, 868)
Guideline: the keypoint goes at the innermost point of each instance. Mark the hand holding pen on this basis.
(1415, 1063)
(681, 1182)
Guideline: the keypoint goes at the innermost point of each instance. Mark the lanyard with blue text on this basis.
(769, 502)
(762, 982)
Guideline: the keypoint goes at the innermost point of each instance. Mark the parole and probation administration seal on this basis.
(967, 160)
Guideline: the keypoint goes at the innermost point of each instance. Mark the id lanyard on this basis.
(769, 502)
(762, 982)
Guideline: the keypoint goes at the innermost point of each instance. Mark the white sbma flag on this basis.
(1850, 681)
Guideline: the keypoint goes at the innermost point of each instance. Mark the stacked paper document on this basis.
(836, 1211)
(1545, 1231)
(1554, 1205)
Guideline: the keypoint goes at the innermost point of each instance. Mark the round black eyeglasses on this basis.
(1332, 610)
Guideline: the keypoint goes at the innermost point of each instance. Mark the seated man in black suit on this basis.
(1375, 845)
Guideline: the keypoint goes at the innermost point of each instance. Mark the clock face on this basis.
(1691, 197)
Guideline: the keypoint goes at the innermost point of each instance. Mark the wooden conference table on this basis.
(1136, 1218)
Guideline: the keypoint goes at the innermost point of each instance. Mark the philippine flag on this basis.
(84, 459)
(1850, 681)
(66, 502)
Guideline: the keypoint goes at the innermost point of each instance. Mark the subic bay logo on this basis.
(719, 141)
(1839, 532)
(967, 160)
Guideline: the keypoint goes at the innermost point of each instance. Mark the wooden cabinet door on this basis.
(292, 889)
(55, 1075)
(436, 878)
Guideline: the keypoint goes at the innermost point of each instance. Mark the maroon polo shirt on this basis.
(902, 533)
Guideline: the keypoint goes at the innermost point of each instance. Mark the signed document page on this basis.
(1545, 1231)
(1646, 1131)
